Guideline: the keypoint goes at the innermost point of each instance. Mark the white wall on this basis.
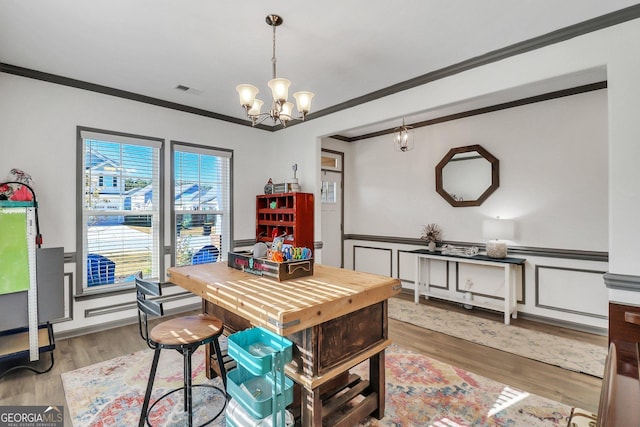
(553, 177)
(611, 48)
(38, 135)
(553, 184)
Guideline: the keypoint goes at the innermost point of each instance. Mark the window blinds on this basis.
(121, 201)
(201, 203)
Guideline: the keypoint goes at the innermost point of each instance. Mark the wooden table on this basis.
(336, 319)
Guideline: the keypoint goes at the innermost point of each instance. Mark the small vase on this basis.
(432, 246)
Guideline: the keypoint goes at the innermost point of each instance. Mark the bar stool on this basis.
(184, 334)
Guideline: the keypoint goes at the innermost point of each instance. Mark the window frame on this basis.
(228, 244)
(125, 138)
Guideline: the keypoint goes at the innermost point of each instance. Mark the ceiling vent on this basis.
(188, 89)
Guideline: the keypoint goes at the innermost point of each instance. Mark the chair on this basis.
(184, 334)
(205, 254)
(605, 416)
(100, 270)
(609, 387)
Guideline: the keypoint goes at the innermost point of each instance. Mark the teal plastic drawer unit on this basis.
(254, 393)
(237, 416)
(253, 349)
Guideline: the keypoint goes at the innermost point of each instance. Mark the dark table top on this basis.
(479, 257)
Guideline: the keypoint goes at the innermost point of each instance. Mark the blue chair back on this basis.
(100, 270)
(205, 254)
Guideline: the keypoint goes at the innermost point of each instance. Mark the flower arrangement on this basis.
(431, 233)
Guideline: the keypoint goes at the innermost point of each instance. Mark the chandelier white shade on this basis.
(303, 101)
(247, 94)
(279, 89)
(281, 109)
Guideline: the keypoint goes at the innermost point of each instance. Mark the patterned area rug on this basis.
(563, 352)
(111, 393)
(420, 392)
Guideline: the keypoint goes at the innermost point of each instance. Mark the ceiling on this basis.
(344, 51)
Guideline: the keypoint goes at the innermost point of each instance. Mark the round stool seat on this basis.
(186, 330)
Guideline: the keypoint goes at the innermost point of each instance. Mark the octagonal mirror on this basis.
(466, 176)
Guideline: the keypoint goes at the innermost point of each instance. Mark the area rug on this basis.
(420, 391)
(563, 352)
(111, 393)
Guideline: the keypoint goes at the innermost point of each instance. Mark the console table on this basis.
(509, 265)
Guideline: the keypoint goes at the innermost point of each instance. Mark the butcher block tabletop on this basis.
(289, 306)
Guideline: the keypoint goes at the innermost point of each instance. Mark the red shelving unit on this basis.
(286, 214)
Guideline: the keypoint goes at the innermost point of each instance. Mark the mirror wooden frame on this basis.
(495, 175)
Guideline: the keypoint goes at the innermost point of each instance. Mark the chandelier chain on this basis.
(273, 56)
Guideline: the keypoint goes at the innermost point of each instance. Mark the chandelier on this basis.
(403, 138)
(281, 109)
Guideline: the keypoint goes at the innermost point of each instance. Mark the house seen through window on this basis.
(120, 228)
(121, 209)
(201, 204)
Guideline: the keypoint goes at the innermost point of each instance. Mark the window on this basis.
(330, 161)
(120, 220)
(201, 203)
(328, 192)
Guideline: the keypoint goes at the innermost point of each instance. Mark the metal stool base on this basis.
(170, 392)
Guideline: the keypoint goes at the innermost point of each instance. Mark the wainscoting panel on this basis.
(442, 277)
(480, 280)
(373, 260)
(68, 299)
(440, 271)
(563, 289)
(406, 267)
(555, 285)
(488, 281)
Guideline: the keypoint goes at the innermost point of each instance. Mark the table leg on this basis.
(427, 279)
(311, 413)
(416, 284)
(507, 294)
(514, 280)
(377, 382)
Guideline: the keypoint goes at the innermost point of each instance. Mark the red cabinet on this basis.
(285, 214)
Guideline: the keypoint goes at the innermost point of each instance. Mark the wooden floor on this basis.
(25, 388)
(570, 388)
